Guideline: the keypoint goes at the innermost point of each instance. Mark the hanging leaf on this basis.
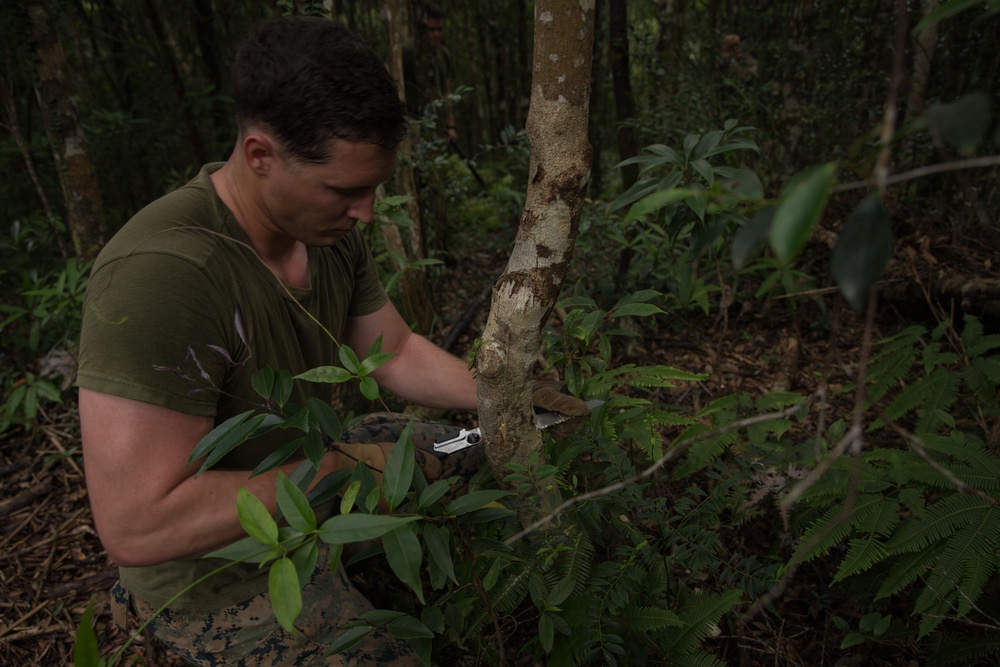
(294, 505)
(403, 551)
(398, 474)
(255, 518)
(748, 241)
(345, 528)
(439, 558)
(330, 374)
(286, 595)
(325, 416)
(963, 123)
(351, 638)
(798, 209)
(475, 501)
(862, 251)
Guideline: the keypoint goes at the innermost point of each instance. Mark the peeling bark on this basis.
(525, 294)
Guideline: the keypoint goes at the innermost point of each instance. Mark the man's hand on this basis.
(547, 396)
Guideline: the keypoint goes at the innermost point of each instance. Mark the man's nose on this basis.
(363, 207)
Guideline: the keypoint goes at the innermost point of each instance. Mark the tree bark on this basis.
(77, 177)
(415, 299)
(525, 294)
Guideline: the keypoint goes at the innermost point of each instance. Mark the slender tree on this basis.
(77, 177)
(525, 294)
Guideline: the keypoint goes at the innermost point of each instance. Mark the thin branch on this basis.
(920, 172)
(670, 455)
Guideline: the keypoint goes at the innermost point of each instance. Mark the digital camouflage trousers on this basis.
(248, 633)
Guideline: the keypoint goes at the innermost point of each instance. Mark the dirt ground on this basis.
(52, 564)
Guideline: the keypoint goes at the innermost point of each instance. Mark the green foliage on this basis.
(922, 520)
(40, 325)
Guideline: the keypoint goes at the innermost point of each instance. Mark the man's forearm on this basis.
(424, 374)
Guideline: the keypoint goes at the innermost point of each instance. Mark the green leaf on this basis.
(402, 550)
(369, 388)
(946, 10)
(748, 241)
(351, 638)
(328, 374)
(305, 559)
(248, 550)
(963, 124)
(85, 651)
(326, 418)
(862, 251)
(231, 438)
(350, 496)
(852, 639)
(656, 201)
(433, 493)
(263, 382)
(294, 506)
(475, 501)
(439, 558)
(255, 518)
(408, 627)
(277, 457)
(349, 360)
(398, 474)
(636, 310)
(798, 209)
(546, 632)
(208, 443)
(314, 448)
(345, 528)
(286, 595)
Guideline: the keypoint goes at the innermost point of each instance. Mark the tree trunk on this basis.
(413, 285)
(77, 177)
(525, 294)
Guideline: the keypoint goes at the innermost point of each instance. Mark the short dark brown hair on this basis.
(309, 80)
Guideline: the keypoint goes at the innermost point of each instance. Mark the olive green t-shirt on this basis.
(181, 313)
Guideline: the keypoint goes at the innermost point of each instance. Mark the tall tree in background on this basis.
(82, 196)
(525, 294)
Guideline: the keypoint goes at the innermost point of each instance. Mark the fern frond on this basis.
(509, 591)
(834, 526)
(964, 447)
(701, 613)
(906, 569)
(862, 554)
(942, 392)
(891, 364)
(967, 651)
(699, 659)
(704, 452)
(654, 618)
(575, 562)
(942, 519)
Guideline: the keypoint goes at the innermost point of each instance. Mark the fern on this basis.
(941, 520)
(576, 561)
(653, 618)
(906, 569)
(701, 613)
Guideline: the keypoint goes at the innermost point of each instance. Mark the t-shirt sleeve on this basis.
(149, 331)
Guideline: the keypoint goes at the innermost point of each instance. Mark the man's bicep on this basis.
(135, 448)
(361, 331)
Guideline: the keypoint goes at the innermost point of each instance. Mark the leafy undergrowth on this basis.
(52, 565)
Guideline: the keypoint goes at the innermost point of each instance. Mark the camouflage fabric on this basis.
(248, 634)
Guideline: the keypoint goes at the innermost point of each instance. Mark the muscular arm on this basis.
(421, 372)
(148, 506)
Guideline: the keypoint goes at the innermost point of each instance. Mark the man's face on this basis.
(318, 204)
(435, 31)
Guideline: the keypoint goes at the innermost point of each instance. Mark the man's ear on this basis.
(259, 152)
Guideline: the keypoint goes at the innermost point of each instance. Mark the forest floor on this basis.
(52, 564)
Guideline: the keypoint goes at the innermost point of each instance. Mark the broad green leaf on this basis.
(407, 627)
(263, 382)
(329, 374)
(255, 519)
(248, 550)
(704, 170)
(349, 359)
(798, 209)
(656, 201)
(745, 183)
(402, 550)
(304, 559)
(862, 251)
(85, 650)
(433, 493)
(947, 10)
(282, 388)
(236, 436)
(314, 448)
(277, 457)
(350, 496)
(207, 444)
(286, 594)
(546, 632)
(369, 388)
(398, 474)
(351, 638)
(636, 310)
(748, 241)
(963, 124)
(328, 487)
(294, 505)
(439, 558)
(326, 418)
(474, 501)
(345, 528)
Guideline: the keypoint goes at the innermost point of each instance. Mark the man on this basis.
(256, 262)
(427, 71)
